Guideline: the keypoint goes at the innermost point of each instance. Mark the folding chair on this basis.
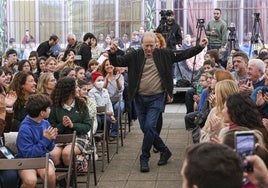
(119, 121)
(90, 157)
(65, 173)
(103, 136)
(26, 163)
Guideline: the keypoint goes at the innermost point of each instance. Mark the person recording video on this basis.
(169, 29)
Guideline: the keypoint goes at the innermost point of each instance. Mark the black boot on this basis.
(164, 156)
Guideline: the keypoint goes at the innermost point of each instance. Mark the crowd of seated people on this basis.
(64, 83)
(77, 84)
(236, 97)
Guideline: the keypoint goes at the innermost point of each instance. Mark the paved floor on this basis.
(123, 170)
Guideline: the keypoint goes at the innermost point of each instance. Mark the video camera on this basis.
(232, 34)
(231, 29)
(164, 15)
(201, 21)
(257, 16)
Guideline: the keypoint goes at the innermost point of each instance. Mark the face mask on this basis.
(99, 84)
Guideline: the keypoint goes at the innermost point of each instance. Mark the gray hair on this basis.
(149, 34)
(71, 36)
(259, 64)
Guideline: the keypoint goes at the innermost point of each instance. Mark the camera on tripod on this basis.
(201, 21)
(164, 15)
(232, 34)
(257, 15)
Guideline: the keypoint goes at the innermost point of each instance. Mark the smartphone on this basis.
(245, 145)
(77, 57)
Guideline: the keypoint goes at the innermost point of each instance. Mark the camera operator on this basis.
(169, 29)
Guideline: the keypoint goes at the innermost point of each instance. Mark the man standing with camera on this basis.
(169, 29)
(216, 31)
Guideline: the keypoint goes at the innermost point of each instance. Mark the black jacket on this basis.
(163, 58)
(172, 35)
(85, 52)
(44, 49)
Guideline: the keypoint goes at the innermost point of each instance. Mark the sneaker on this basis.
(144, 166)
(164, 156)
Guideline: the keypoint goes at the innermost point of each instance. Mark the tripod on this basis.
(200, 27)
(257, 32)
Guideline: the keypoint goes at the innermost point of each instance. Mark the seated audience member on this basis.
(213, 55)
(8, 178)
(67, 60)
(240, 63)
(92, 66)
(255, 71)
(67, 71)
(41, 65)
(211, 165)
(33, 61)
(240, 110)
(83, 92)
(35, 139)
(95, 49)
(259, 176)
(24, 85)
(101, 98)
(80, 73)
(114, 83)
(24, 65)
(189, 95)
(261, 151)
(46, 83)
(203, 105)
(69, 113)
(214, 122)
(260, 97)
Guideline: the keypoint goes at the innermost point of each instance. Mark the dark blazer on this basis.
(85, 52)
(163, 58)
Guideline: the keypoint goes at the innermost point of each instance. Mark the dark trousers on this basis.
(189, 101)
(189, 120)
(148, 109)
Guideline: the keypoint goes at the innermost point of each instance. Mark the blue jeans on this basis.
(114, 127)
(148, 109)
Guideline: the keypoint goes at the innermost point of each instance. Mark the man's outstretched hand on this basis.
(204, 42)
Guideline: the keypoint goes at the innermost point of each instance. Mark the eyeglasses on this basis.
(26, 66)
(53, 80)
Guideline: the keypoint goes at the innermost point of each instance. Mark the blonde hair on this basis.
(42, 82)
(222, 90)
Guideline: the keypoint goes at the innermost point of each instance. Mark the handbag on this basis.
(201, 117)
(183, 82)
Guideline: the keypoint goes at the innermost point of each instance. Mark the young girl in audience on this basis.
(41, 65)
(67, 60)
(92, 66)
(68, 113)
(79, 73)
(24, 65)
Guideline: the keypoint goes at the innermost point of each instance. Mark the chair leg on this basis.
(121, 131)
(94, 168)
